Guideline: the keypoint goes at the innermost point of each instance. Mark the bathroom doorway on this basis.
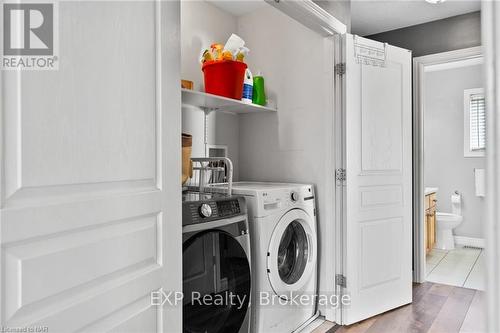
(449, 164)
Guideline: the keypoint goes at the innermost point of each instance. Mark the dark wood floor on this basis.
(436, 308)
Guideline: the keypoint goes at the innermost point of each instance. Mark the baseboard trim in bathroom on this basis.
(470, 242)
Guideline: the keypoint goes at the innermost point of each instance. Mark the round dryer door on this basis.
(291, 262)
(216, 283)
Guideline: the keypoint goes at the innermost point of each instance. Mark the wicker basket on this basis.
(187, 166)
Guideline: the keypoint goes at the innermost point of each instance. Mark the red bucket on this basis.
(224, 78)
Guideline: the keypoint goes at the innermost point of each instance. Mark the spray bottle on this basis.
(259, 93)
(247, 87)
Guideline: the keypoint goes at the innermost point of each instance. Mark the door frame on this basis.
(419, 66)
(339, 139)
(490, 16)
(311, 15)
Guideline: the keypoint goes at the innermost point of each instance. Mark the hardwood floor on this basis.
(436, 308)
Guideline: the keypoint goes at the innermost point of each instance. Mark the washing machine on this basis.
(216, 261)
(283, 233)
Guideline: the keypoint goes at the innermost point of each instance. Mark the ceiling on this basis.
(374, 16)
(238, 7)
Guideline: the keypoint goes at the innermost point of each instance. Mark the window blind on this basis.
(477, 122)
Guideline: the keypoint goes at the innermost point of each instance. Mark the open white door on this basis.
(378, 185)
(90, 218)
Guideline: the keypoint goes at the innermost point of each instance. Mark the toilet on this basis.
(446, 222)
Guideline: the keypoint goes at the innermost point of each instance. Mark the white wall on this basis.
(445, 166)
(295, 144)
(201, 25)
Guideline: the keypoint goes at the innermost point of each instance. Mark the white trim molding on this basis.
(455, 64)
(311, 15)
(490, 21)
(470, 241)
(420, 67)
(459, 58)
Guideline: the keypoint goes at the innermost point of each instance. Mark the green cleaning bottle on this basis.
(259, 93)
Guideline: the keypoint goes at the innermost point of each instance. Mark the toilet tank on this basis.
(456, 203)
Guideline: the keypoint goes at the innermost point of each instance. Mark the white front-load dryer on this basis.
(283, 234)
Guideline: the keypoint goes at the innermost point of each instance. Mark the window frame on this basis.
(468, 152)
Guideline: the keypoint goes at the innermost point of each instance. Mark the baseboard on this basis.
(470, 241)
(310, 325)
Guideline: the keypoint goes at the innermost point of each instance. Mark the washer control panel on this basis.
(283, 198)
(194, 212)
(228, 207)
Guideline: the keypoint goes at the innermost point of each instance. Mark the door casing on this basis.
(419, 65)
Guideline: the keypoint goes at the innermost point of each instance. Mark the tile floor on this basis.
(462, 267)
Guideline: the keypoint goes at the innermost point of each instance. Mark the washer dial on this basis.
(205, 210)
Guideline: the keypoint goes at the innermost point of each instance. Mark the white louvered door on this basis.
(90, 206)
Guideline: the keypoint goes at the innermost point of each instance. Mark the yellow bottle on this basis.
(226, 55)
(207, 56)
(217, 51)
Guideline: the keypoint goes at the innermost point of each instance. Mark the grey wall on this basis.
(449, 34)
(445, 166)
(340, 9)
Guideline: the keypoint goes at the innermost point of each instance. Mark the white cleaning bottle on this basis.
(247, 87)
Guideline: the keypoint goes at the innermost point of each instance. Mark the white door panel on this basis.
(378, 178)
(90, 218)
(381, 106)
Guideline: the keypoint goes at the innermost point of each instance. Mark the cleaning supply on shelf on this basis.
(227, 55)
(234, 49)
(234, 44)
(217, 51)
(224, 69)
(242, 53)
(206, 56)
(247, 87)
(259, 93)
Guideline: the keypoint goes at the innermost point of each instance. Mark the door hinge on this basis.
(341, 280)
(340, 68)
(340, 175)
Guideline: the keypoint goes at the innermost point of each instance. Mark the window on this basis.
(474, 123)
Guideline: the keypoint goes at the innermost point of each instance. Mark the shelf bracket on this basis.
(206, 112)
(205, 128)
